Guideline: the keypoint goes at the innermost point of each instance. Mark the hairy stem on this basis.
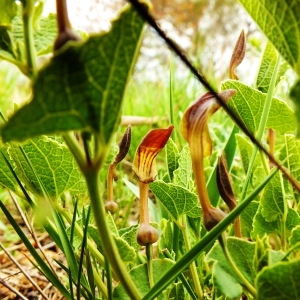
(149, 254)
(28, 11)
(109, 246)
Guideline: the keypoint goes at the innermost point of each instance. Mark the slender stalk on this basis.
(63, 22)
(109, 246)
(149, 254)
(28, 11)
(262, 125)
(284, 216)
(144, 212)
(192, 266)
(236, 270)
(75, 149)
(108, 280)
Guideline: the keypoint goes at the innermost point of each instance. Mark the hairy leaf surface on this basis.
(242, 252)
(248, 104)
(176, 199)
(279, 282)
(83, 85)
(280, 21)
(53, 164)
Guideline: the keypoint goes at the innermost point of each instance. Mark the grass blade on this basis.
(43, 266)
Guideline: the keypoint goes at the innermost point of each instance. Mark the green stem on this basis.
(109, 246)
(284, 216)
(75, 149)
(109, 280)
(28, 11)
(262, 124)
(193, 267)
(236, 270)
(149, 254)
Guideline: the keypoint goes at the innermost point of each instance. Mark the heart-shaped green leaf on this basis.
(83, 85)
(279, 282)
(242, 252)
(53, 166)
(279, 20)
(176, 199)
(248, 105)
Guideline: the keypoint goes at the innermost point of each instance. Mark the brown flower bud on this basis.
(212, 217)
(237, 55)
(146, 234)
(111, 206)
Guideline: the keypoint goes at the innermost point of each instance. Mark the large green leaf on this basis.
(242, 253)
(266, 69)
(291, 152)
(176, 199)
(8, 10)
(44, 34)
(53, 164)
(280, 21)
(83, 85)
(248, 104)
(183, 174)
(6, 177)
(262, 227)
(172, 157)
(246, 149)
(272, 201)
(279, 282)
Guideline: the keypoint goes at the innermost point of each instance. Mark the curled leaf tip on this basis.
(144, 160)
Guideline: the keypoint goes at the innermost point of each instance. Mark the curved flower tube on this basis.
(194, 129)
